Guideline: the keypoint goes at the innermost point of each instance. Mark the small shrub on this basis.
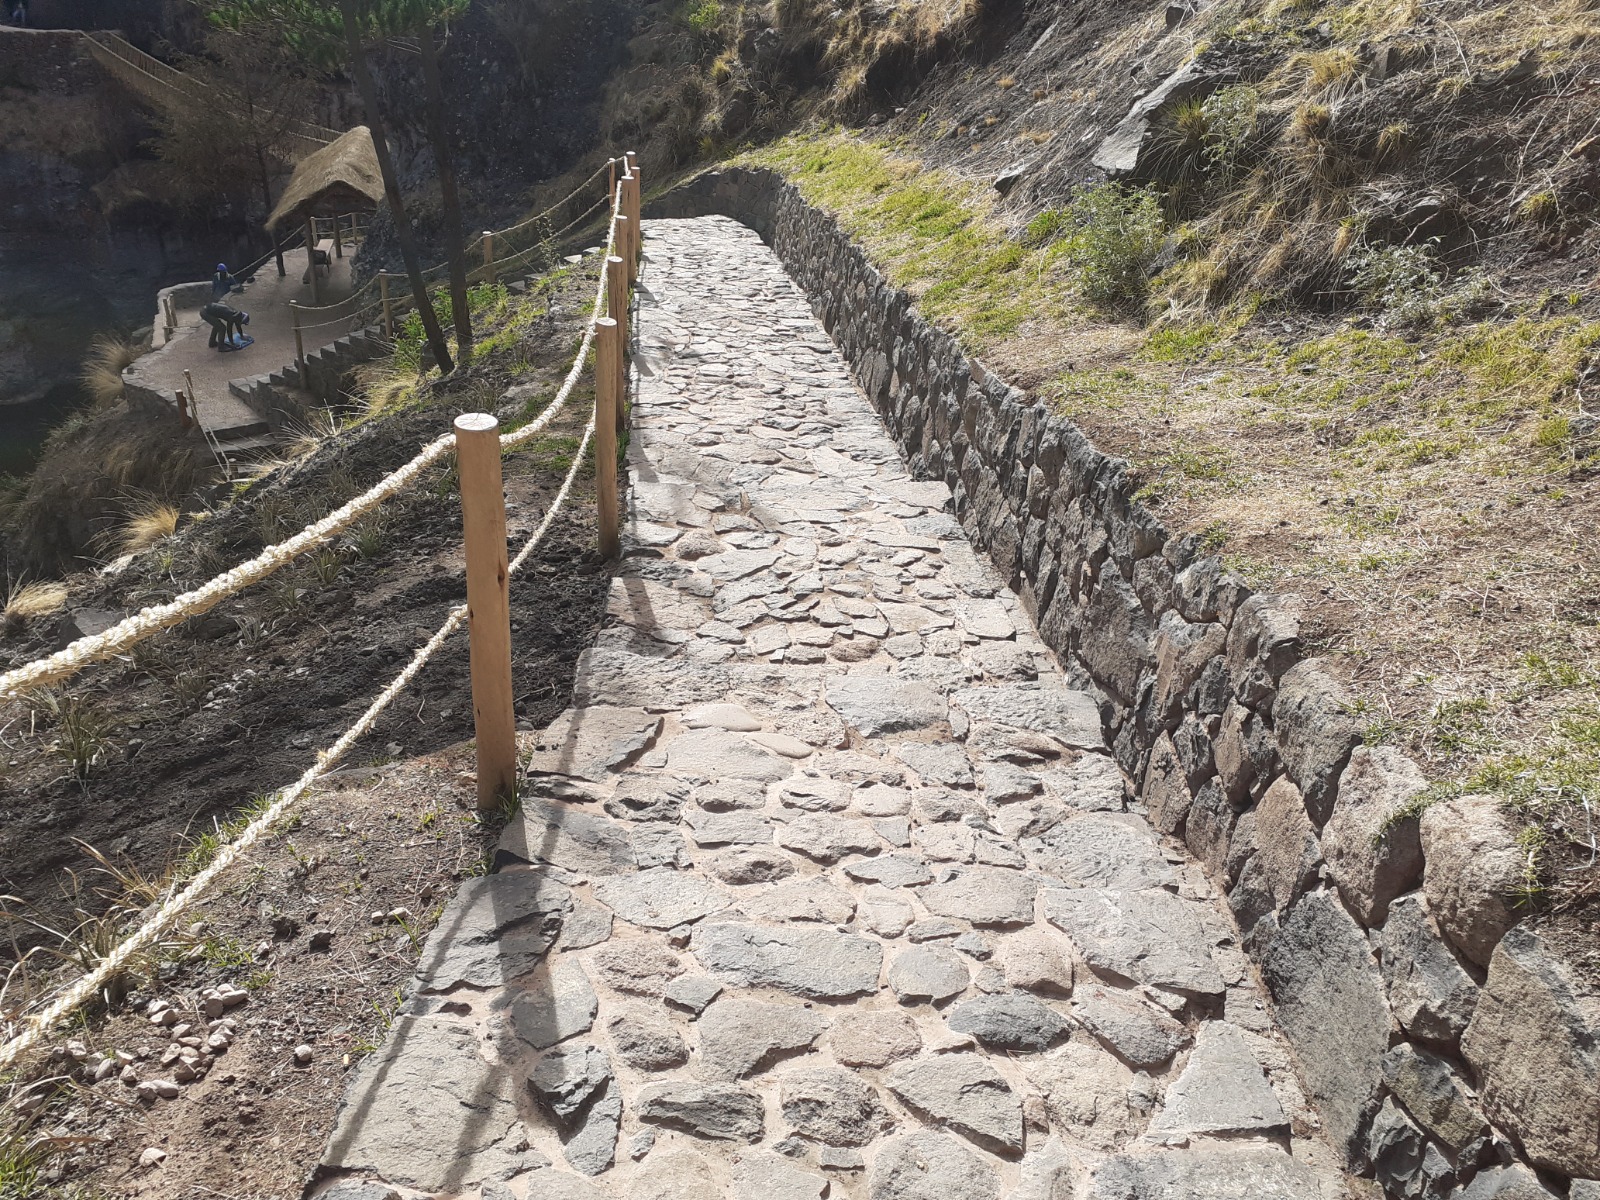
(1541, 208)
(1047, 227)
(1394, 142)
(1405, 283)
(1116, 233)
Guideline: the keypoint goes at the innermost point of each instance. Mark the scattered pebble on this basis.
(153, 1157)
(302, 1055)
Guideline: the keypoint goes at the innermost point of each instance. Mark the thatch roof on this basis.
(342, 177)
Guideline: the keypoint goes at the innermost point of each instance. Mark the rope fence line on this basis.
(608, 367)
(127, 633)
(38, 1024)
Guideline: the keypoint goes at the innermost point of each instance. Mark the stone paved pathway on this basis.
(838, 892)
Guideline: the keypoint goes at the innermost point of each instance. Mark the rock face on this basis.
(1121, 152)
(1534, 1041)
(814, 963)
(1330, 1003)
(1371, 841)
(964, 1093)
(1473, 865)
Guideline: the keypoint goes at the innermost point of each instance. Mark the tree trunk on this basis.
(454, 235)
(391, 191)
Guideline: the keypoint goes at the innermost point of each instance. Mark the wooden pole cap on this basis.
(605, 322)
(477, 422)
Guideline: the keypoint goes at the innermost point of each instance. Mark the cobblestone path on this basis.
(837, 891)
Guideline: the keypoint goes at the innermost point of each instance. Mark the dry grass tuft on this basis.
(109, 356)
(1332, 70)
(30, 601)
(147, 524)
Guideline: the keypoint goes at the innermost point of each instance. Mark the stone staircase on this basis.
(284, 396)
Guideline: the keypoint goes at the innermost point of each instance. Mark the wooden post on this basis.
(617, 307)
(170, 317)
(311, 260)
(620, 250)
(488, 255)
(388, 305)
(338, 240)
(607, 403)
(184, 421)
(299, 342)
(630, 205)
(483, 517)
(194, 406)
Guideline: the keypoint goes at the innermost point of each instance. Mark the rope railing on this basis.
(123, 636)
(483, 510)
(119, 958)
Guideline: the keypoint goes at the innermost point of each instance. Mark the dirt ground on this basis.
(235, 703)
(321, 925)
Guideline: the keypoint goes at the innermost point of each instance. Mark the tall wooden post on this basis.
(483, 519)
(338, 239)
(488, 255)
(630, 203)
(617, 308)
(183, 411)
(311, 260)
(608, 379)
(299, 342)
(388, 305)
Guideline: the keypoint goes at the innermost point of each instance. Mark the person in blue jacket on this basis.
(222, 283)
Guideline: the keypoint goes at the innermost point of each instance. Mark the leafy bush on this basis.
(1113, 235)
(1406, 285)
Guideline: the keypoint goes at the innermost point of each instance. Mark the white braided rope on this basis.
(127, 633)
(40, 1023)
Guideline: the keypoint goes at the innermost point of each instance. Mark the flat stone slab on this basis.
(717, 754)
(578, 841)
(966, 1094)
(592, 743)
(815, 963)
(1204, 1175)
(494, 929)
(739, 1037)
(428, 1075)
(985, 896)
(1070, 717)
(874, 705)
(1151, 937)
(716, 1111)
(556, 1005)
(1222, 1091)
(1136, 1031)
(1102, 850)
(661, 898)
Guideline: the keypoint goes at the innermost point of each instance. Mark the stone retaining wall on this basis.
(1449, 1047)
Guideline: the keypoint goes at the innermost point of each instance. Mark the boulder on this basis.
(1330, 1005)
(1534, 1041)
(1166, 791)
(1316, 733)
(1430, 992)
(1404, 1162)
(1472, 866)
(1287, 850)
(1371, 842)
(1435, 1095)
(1514, 1182)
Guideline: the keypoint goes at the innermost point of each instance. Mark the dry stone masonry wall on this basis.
(1450, 1047)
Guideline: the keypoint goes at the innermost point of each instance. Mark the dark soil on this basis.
(368, 841)
(236, 703)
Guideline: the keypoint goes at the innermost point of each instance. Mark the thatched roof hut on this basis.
(341, 178)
